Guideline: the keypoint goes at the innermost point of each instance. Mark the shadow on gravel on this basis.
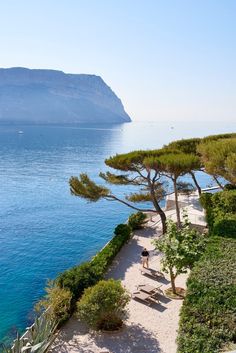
(131, 339)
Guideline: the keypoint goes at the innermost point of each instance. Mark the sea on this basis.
(43, 228)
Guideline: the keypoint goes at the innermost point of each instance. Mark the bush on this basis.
(206, 202)
(207, 318)
(104, 258)
(103, 306)
(123, 229)
(136, 220)
(225, 225)
(78, 278)
(57, 303)
(220, 212)
(228, 187)
(224, 201)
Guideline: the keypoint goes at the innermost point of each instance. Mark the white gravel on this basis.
(149, 329)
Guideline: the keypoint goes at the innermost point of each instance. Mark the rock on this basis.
(53, 97)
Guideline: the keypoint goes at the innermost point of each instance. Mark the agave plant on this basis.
(40, 334)
(36, 339)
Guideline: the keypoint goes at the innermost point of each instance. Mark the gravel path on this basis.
(149, 329)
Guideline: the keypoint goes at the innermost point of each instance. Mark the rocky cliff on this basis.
(50, 96)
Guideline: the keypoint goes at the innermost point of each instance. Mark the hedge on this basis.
(89, 273)
(207, 319)
(220, 212)
(137, 220)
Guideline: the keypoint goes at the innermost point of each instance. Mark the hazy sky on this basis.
(167, 60)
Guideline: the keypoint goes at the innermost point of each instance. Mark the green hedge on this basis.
(136, 220)
(87, 274)
(220, 212)
(206, 202)
(225, 225)
(207, 319)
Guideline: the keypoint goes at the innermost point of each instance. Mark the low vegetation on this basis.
(221, 212)
(56, 303)
(208, 314)
(137, 220)
(103, 306)
(70, 285)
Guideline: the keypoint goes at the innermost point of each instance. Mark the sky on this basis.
(168, 60)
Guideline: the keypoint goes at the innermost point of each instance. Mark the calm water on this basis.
(43, 229)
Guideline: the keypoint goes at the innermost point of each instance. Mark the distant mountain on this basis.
(50, 96)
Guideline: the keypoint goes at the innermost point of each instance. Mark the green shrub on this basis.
(225, 225)
(105, 257)
(137, 220)
(123, 229)
(220, 212)
(78, 278)
(57, 302)
(224, 201)
(207, 318)
(229, 187)
(103, 306)
(206, 202)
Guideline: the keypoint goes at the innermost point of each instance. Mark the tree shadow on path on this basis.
(132, 338)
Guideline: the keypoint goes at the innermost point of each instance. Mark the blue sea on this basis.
(43, 229)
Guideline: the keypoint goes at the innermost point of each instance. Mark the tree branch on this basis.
(114, 198)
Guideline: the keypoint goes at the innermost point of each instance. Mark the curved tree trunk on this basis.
(157, 207)
(160, 212)
(177, 203)
(196, 183)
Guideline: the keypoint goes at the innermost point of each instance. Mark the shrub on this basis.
(105, 257)
(103, 306)
(136, 220)
(57, 302)
(225, 225)
(206, 202)
(225, 201)
(123, 229)
(207, 318)
(78, 278)
(229, 187)
(220, 212)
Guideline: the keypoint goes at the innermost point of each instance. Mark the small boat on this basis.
(20, 132)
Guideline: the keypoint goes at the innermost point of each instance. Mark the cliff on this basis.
(50, 96)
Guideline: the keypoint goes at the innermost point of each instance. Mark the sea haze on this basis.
(43, 229)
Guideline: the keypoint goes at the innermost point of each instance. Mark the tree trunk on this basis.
(217, 182)
(158, 209)
(196, 183)
(156, 204)
(172, 279)
(176, 203)
(163, 221)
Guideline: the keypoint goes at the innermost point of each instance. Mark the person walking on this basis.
(145, 257)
